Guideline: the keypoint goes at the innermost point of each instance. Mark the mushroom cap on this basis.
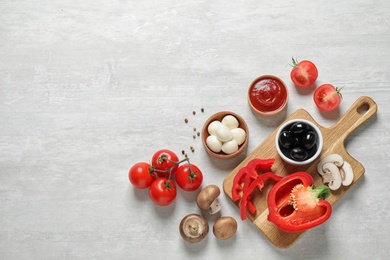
(207, 196)
(225, 227)
(193, 228)
(346, 174)
(332, 158)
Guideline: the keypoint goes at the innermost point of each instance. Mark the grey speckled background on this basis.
(88, 88)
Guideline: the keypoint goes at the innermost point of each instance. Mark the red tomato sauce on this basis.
(267, 94)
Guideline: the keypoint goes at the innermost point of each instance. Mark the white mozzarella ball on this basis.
(214, 144)
(230, 147)
(230, 121)
(239, 135)
(213, 126)
(223, 133)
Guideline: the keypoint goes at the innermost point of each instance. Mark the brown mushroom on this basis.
(207, 199)
(225, 227)
(193, 228)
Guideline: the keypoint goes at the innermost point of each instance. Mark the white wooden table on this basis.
(88, 88)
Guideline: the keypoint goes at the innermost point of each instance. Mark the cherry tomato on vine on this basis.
(162, 191)
(140, 175)
(163, 160)
(189, 180)
(327, 97)
(304, 73)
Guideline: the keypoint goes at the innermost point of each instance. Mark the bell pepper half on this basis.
(295, 205)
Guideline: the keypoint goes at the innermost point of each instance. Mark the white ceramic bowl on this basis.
(312, 156)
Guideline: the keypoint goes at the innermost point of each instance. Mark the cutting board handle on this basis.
(360, 111)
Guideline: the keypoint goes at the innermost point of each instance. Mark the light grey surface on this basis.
(88, 88)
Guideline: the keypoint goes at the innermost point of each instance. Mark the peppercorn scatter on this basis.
(195, 132)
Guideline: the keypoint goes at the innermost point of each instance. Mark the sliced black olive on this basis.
(309, 140)
(299, 128)
(298, 154)
(285, 139)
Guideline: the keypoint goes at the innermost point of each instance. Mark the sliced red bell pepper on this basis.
(247, 174)
(247, 196)
(295, 205)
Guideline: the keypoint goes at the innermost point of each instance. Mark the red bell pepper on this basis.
(246, 197)
(295, 205)
(247, 174)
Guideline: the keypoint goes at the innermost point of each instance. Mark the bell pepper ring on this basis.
(247, 174)
(295, 205)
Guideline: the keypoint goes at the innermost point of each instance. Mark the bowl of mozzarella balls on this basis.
(225, 135)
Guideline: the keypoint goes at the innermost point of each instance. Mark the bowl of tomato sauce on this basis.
(267, 95)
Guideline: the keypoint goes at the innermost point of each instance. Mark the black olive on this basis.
(309, 140)
(297, 141)
(299, 128)
(298, 154)
(285, 139)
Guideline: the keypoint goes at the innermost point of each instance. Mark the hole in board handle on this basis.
(363, 108)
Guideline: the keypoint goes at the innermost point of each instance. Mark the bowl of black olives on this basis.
(298, 142)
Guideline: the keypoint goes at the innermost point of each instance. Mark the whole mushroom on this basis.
(207, 199)
(225, 227)
(193, 228)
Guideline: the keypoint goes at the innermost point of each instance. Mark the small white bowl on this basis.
(319, 145)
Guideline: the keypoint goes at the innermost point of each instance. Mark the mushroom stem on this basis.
(335, 182)
(192, 228)
(215, 207)
(326, 176)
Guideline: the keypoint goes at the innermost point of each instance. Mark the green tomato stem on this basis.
(294, 62)
(163, 158)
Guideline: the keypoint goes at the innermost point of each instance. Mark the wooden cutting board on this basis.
(334, 137)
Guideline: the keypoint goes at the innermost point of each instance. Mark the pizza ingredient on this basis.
(327, 97)
(225, 227)
(295, 205)
(208, 199)
(193, 228)
(303, 73)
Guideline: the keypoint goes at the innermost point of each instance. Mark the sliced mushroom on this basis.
(193, 228)
(207, 199)
(332, 158)
(225, 227)
(331, 174)
(346, 174)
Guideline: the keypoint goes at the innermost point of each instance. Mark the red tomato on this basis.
(327, 97)
(189, 180)
(162, 191)
(163, 160)
(304, 73)
(140, 175)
